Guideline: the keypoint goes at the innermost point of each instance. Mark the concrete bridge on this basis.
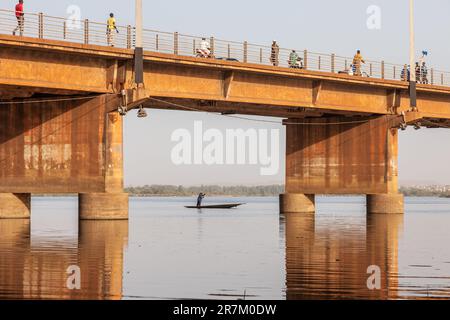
(61, 130)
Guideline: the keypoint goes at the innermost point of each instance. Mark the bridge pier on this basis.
(103, 206)
(342, 155)
(297, 203)
(63, 147)
(15, 205)
(113, 203)
(385, 203)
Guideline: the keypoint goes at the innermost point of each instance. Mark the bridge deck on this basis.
(33, 67)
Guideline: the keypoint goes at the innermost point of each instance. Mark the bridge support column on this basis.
(103, 206)
(385, 203)
(297, 203)
(342, 155)
(113, 203)
(391, 201)
(15, 205)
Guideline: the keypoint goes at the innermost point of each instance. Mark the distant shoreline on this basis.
(209, 190)
(252, 191)
(170, 191)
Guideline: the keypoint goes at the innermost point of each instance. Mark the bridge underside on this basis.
(33, 68)
(61, 132)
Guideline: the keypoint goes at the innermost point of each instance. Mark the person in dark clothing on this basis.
(405, 73)
(274, 53)
(418, 73)
(424, 73)
(200, 199)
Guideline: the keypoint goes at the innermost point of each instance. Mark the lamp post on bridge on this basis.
(412, 63)
(139, 51)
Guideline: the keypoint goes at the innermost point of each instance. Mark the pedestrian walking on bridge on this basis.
(20, 18)
(274, 53)
(295, 61)
(357, 60)
(110, 28)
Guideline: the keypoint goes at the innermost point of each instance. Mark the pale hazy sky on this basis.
(321, 26)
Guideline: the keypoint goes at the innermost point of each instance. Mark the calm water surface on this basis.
(168, 252)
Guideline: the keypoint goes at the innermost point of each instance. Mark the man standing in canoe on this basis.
(200, 199)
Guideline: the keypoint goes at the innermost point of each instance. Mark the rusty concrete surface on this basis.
(346, 158)
(59, 147)
(55, 67)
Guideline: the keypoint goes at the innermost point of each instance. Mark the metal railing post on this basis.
(394, 71)
(157, 42)
(229, 51)
(319, 62)
(194, 51)
(442, 79)
(333, 62)
(64, 29)
(371, 69)
(41, 26)
(382, 69)
(432, 76)
(129, 37)
(245, 51)
(175, 43)
(212, 44)
(260, 55)
(305, 59)
(86, 31)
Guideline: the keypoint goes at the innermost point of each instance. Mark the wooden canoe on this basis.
(217, 206)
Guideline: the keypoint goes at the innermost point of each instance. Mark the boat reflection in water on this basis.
(332, 262)
(37, 269)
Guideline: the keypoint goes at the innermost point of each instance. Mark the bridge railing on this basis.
(38, 25)
(42, 26)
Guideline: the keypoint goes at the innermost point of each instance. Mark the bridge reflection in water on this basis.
(37, 269)
(332, 264)
(325, 258)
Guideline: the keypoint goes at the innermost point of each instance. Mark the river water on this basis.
(168, 252)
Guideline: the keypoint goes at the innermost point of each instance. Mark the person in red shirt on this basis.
(20, 18)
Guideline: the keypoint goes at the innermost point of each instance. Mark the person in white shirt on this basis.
(205, 48)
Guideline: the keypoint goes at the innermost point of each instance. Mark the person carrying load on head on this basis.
(422, 78)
